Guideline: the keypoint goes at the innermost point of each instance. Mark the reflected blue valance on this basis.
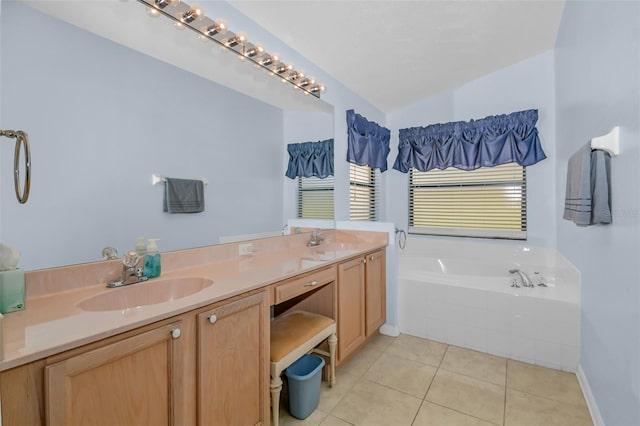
(488, 142)
(367, 142)
(310, 159)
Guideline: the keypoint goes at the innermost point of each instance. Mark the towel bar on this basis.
(157, 180)
(608, 142)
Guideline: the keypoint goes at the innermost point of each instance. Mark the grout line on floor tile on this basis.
(549, 399)
(418, 412)
(474, 377)
(462, 412)
(393, 389)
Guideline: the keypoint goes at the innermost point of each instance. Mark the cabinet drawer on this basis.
(308, 282)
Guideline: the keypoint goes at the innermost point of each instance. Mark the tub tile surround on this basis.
(539, 326)
(52, 322)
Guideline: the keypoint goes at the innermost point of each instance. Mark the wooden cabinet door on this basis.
(233, 363)
(134, 381)
(375, 292)
(350, 306)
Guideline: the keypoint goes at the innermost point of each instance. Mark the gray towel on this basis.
(587, 196)
(183, 196)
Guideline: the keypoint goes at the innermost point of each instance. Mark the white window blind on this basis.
(315, 198)
(364, 193)
(488, 202)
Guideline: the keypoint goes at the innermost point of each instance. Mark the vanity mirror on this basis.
(103, 118)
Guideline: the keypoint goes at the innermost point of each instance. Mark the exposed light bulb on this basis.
(240, 38)
(274, 58)
(178, 25)
(256, 50)
(153, 12)
(317, 88)
(296, 76)
(219, 27)
(306, 82)
(161, 4)
(284, 68)
(195, 12)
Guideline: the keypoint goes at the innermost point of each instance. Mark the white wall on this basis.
(598, 87)
(526, 85)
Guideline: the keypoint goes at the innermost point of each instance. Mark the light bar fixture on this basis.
(194, 17)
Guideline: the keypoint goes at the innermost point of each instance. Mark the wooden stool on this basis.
(292, 335)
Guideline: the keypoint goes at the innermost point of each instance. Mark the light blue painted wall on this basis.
(528, 84)
(598, 87)
(101, 119)
(337, 95)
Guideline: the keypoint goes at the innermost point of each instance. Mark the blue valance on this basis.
(310, 159)
(367, 142)
(488, 142)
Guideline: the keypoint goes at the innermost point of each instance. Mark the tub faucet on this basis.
(526, 281)
(316, 238)
(131, 272)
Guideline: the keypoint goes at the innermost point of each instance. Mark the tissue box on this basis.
(11, 291)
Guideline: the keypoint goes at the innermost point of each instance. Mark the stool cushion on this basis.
(293, 329)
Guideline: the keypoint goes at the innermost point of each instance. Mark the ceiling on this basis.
(395, 52)
(390, 52)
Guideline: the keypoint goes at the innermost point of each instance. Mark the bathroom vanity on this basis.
(202, 358)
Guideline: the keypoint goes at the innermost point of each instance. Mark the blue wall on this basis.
(597, 59)
(525, 85)
(102, 119)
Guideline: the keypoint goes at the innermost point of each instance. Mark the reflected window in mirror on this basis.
(315, 197)
(364, 193)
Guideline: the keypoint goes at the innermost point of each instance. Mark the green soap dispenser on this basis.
(141, 249)
(152, 259)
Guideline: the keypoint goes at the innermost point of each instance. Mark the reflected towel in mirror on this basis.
(183, 196)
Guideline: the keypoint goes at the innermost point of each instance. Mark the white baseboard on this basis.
(390, 330)
(589, 399)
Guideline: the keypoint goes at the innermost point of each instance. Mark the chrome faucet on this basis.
(316, 238)
(526, 281)
(131, 272)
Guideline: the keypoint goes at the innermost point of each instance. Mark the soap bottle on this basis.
(152, 259)
(141, 248)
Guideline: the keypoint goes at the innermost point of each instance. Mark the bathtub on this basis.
(469, 302)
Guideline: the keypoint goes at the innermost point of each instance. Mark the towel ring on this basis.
(22, 143)
(402, 238)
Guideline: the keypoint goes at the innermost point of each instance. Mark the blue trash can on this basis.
(303, 378)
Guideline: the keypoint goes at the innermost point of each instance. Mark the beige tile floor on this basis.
(411, 381)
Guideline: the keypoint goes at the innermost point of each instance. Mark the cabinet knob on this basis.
(311, 284)
(176, 333)
(364, 260)
(371, 258)
(212, 319)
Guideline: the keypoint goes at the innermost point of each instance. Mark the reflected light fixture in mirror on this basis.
(193, 17)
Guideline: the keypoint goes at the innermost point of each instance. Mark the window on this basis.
(364, 194)
(488, 202)
(315, 198)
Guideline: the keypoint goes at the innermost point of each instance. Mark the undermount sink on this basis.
(151, 292)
